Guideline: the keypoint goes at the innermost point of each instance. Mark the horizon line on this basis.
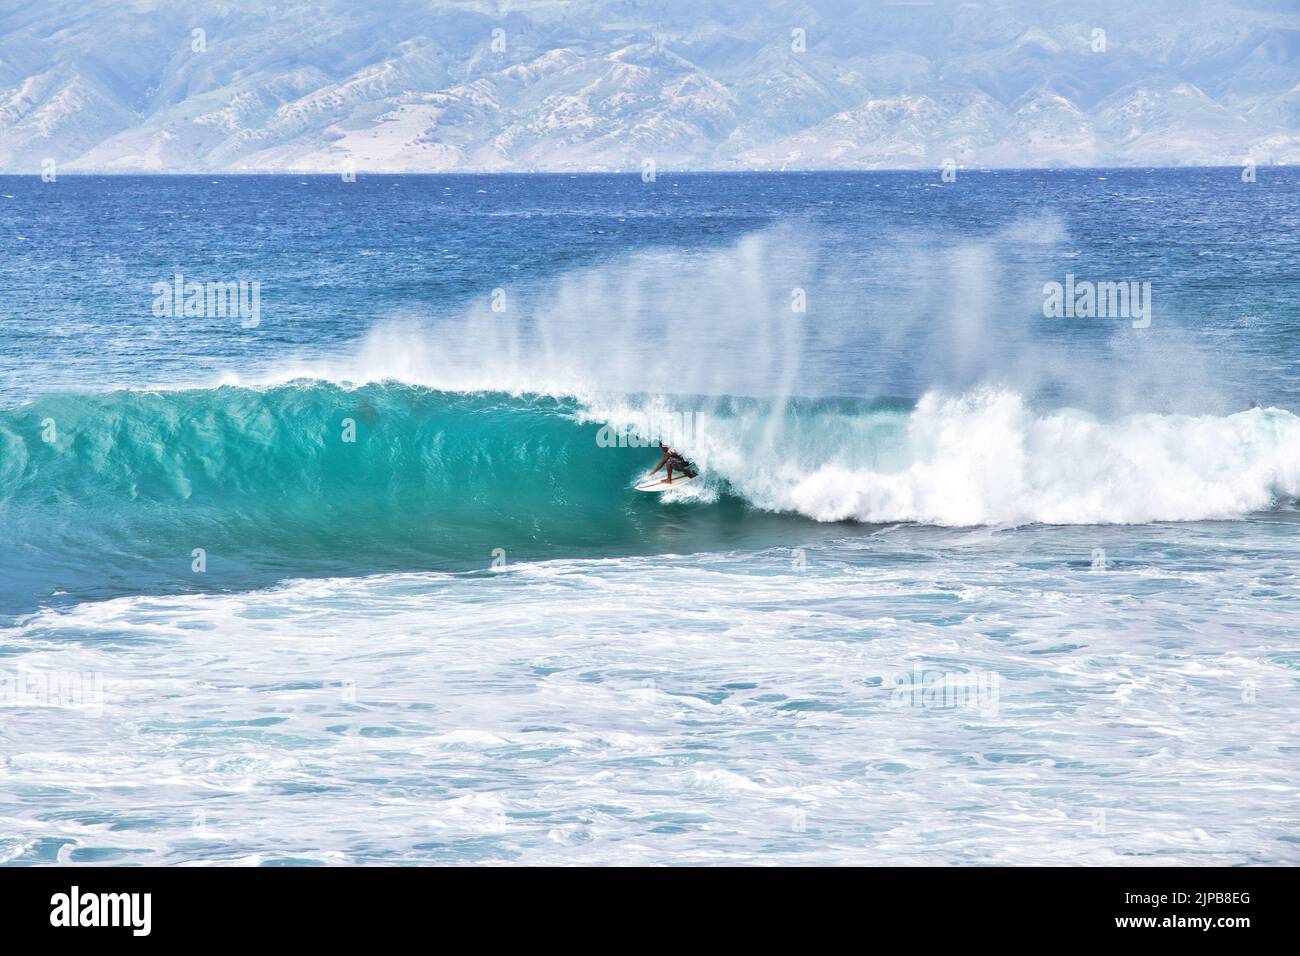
(659, 172)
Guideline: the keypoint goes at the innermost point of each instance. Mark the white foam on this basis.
(987, 458)
(685, 710)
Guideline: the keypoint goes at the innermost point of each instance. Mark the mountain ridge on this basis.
(594, 85)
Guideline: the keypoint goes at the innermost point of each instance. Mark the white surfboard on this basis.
(662, 484)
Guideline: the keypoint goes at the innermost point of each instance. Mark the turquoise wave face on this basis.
(103, 494)
(227, 488)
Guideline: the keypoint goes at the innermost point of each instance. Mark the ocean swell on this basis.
(320, 478)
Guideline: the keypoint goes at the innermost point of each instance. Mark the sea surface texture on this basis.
(354, 571)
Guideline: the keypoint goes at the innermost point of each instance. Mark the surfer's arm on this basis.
(662, 461)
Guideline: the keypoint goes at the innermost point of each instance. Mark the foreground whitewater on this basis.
(913, 697)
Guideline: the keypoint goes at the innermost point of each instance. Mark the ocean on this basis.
(342, 563)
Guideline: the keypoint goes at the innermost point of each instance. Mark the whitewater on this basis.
(369, 583)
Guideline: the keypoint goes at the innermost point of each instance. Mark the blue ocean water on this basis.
(361, 576)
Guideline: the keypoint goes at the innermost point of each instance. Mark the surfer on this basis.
(673, 460)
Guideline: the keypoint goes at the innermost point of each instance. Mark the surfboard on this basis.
(660, 484)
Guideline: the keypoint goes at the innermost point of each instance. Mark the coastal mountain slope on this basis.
(423, 85)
